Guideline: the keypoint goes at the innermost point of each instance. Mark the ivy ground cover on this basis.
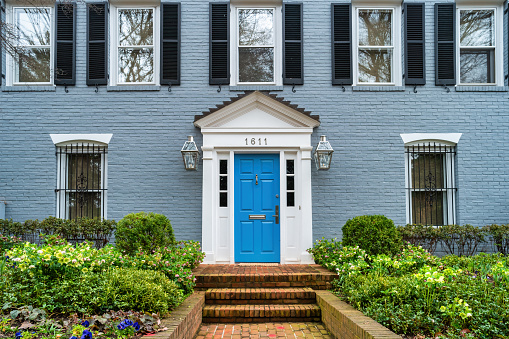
(419, 295)
(60, 290)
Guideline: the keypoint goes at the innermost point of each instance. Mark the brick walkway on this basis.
(269, 330)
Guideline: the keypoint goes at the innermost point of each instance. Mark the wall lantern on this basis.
(190, 154)
(323, 154)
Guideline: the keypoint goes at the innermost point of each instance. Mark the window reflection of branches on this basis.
(136, 45)
(256, 45)
(477, 46)
(375, 45)
(32, 27)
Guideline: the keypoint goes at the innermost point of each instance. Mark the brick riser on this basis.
(316, 282)
(260, 313)
(257, 296)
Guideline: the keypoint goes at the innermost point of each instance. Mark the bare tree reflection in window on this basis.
(136, 45)
(375, 46)
(256, 45)
(477, 46)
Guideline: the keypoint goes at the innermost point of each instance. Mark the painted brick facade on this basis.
(149, 127)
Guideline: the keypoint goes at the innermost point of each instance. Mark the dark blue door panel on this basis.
(256, 194)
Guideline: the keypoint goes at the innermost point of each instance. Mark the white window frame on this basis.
(114, 45)
(10, 62)
(499, 42)
(396, 44)
(278, 44)
(442, 139)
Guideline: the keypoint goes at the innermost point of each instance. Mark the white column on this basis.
(307, 206)
(208, 217)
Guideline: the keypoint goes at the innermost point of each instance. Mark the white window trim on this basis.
(499, 43)
(396, 57)
(114, 45)
(278, 44)
(443, 139)
(10, 65)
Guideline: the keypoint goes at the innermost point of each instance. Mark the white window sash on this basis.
(395, 47)
(277, 46)
(11, 67)
(115, 46)
(498, 42)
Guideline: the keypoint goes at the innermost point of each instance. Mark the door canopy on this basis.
(257, 110)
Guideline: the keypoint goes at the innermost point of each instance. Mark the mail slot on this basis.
(257, 217)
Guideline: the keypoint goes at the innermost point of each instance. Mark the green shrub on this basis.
(500, 234)
(147, 231)
(376, 234)
(140, 290)
(420, 235)
(461, 240)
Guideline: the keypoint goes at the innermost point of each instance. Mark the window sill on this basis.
(378, 88)
(28, 88)
(133, 88)
(256, 88)
(482, 88)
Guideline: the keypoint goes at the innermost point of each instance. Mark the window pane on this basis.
(427, 208)
(136, 65)
(290, 199)
(256, 27)
(84, 171)
(477, 28)
(256, 64)
(223, 183)
(135, 27)
(477, 66)
(428, 171)
(375, 27)
(375, 65)
(290, 183)
(84, 204)
(34, 65)
(223, 199)
(223, 166)
(34, 26)
(290, 169)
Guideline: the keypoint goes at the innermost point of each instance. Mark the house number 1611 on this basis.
(253, 141)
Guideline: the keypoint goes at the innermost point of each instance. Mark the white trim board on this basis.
(62, 139)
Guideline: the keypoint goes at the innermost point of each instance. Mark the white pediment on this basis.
(256, 111)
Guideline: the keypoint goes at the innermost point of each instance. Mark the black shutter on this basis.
(342, 44)
(445, 44)
(415, 44)
(219, 52)
(170, 51)
(65, 58)
(97, 42)
(292, 44)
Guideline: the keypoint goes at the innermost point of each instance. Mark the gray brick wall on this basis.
(149, 128)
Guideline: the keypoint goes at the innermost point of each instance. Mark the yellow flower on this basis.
(84, 270)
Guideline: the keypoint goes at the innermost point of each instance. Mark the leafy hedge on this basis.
(79, 230)
(463, 240)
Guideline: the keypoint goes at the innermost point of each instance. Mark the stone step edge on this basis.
(260, 293)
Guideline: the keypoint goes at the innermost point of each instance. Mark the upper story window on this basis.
(256, 49)
(377, 45)
(134, 57)
(477, 45)
(32, 62)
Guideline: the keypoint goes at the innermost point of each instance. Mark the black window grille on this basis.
(431, 188)
(81, 181)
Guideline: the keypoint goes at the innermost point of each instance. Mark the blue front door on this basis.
(257, 208)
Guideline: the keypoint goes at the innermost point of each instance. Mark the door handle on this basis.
(277, 214)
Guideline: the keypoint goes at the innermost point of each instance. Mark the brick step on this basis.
(284, 276)
(266, 296)
(260, 313)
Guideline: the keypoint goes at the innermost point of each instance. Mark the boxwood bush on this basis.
(376, 234)
(146, 231)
